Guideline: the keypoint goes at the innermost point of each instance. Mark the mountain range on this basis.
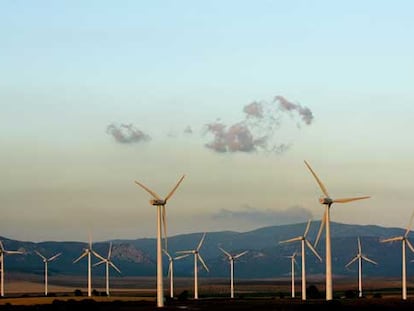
(266, 257)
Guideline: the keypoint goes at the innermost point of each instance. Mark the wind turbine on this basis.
(46, 261)
(304, 241)
(359, 256)
(293, 263)
(171, 269)
(3, 252)
(108, 263)
(232, 258)
(404, 240)
(87, 252)
(328, 201)
(197, 257)
(161, 221)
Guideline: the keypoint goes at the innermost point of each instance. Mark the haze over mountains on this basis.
(266, 258)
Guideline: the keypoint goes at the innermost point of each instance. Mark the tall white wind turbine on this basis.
(161, 222)
(231, 259)
(404, 240)
(88, 252)
(292, 264)
(107, 261)
(304, 241)
(328, 201)
(197, 256)
(359, 256)
(46, 261)
(3, 252)
(171, 269)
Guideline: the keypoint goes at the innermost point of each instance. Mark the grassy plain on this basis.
(26, 292)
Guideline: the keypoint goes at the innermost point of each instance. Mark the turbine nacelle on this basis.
(325, 200)
(157, 202)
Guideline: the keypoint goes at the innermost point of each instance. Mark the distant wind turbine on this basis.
(171, 269)
(87, 252)
(328, 201)
(46, 261)
(107, 261)
(161, 222)
(3, 252)
(359, 256)
(197, 257)
(304, 241)
(404, 240)
(231, 259)
(293, 263)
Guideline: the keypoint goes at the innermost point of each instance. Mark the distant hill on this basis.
(266, 257)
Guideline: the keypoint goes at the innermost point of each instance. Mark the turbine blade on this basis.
(13, 252)
(181, 257)
(201, 242)
(359, 246)
(299, 238)
(313, 250)
(98, 263)
(321, 185)
(410, 245)
(318, 236)
(154, 195)
(1, 246)
(54, 257)
(115, 267)
(346, 200)
(369, 260)
(168, 255)
(228, 254)
(81, 256)
(97, 255)
(90, 240)
(40, 255)
(307, 228)
(351, 262)
(203, 263)
(109, 251)
(409, 226)
(185, 252)
(398, 238)
(241, 254)
(175, 188)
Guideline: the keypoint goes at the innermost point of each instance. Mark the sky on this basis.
(235, 95)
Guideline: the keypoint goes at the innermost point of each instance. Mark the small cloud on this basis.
(304, 112)
(126, 133)
(260, 217)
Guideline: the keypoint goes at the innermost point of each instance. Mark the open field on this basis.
(23, 292)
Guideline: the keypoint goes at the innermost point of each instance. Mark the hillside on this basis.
(266, 257)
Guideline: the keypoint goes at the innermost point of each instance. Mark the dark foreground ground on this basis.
(379, 304)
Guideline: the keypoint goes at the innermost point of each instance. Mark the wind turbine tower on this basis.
(3, 252)
(328, 201)
(359, 256)
(404, 240)
(304, 241)
(231, 259)
(171, 269)
(46, 261)
(87, 252)
(161, 222)
(107, 261)
(292, 263)
(197, 256)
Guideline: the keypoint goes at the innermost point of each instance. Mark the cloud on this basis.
(126, 133)
(262, 217)
(257, 131)
(304, 112)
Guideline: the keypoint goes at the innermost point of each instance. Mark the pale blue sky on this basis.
(69, 69)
